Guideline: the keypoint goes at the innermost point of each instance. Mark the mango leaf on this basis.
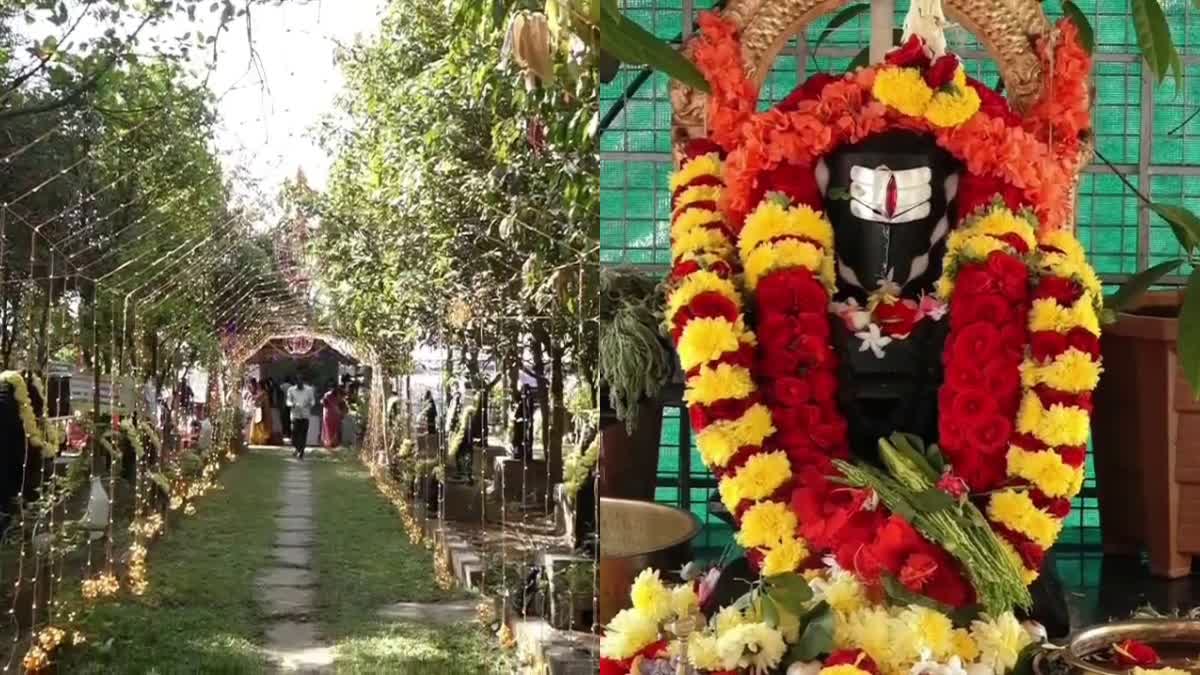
(1154, 39)
(1184, 223)
(770, 612)
(632, 44)
(1136, 286)
(790, 591)
(1087, 36)
(933, 455)
(838, 21)
(1189, 333)
(816, 635)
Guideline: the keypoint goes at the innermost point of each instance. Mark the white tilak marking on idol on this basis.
(951, 187)
(821, 171)
(848, 274)
(921, 263)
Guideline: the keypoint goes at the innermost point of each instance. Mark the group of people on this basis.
(283, 413)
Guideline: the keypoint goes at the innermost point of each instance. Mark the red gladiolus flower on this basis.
(910, 55)
(797, 182)
(941, 72)
(853, 657)
(1064, 291)
(1045, 345)
(809, 90)
(1132, 653)
(701, 146)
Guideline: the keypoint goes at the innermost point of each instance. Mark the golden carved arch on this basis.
(1007, 29)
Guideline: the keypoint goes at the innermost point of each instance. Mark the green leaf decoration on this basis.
(933, 455)
(770, 612)
(1154, 39)
(838, 20)
(1087, 36)
(1189, 333)
(1136, 286)
(632, 44)
(745, 602)
(816, 635)
(1184, 223)
(933, 500)
(790, 591)
(860, 60)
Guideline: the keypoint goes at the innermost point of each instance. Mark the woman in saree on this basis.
(333, 404)
(260, 433)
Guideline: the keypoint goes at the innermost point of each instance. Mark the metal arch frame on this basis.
(361, 353)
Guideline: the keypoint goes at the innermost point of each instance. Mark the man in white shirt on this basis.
(300, 400)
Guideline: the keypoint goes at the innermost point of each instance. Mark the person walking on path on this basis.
(300, 399)
(334, 407)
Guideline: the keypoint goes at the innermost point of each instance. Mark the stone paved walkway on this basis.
(286, 589)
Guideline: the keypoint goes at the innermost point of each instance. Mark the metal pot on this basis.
(636, 535)
(1176, 640)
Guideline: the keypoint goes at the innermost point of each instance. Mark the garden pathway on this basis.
(286, 589)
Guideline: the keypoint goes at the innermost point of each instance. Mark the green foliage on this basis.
(635, 362)
(633, 44)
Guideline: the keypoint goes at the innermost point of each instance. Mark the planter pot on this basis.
(629, 462)
(1146, 437)
(636, 535)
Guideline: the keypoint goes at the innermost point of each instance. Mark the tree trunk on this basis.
(537, 346)
(558, 416)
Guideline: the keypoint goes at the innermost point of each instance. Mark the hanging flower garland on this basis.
(748, 218)
(35, 434)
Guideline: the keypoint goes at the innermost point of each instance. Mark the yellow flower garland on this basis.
(720, 441)
(771, 220)
(697, 283)
(1072, 371)
(781, 255)
(699, 167)
(905, 90)
(1016, 511)
(757, 479)
(724, 381)
(1046, 470)
(705, 339)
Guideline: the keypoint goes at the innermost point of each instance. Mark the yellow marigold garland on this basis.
(905, 90)
(772, 220)
(1016, 511)
(696, 235)
(1046, 470)
(1072, 371)
(782, 255)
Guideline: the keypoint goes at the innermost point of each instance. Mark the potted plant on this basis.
(635, 363)
(1147, 413)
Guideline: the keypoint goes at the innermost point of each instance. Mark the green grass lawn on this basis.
(199, 614)
(365, 562)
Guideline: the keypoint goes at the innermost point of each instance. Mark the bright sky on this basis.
(267, 122)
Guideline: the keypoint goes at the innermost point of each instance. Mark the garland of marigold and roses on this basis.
(746, 213)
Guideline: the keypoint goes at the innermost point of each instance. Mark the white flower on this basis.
(1000, 640)
(928, 666)
(756, 646)
(887, 286)
(1036, 631)
(980, 669)
(628, 633)
(873, 340)
(859, 320)
(804, 668)
(684, 601)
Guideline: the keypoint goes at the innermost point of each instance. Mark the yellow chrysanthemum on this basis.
(717, 383)
(999, 221)
(704, 165)
(929, 629)
(627, 634)
(767, 524)
(1027, 575)
(785, 557)
(650, 596)
(960, 76)
(1016, 511)
(1047, 314)
(1056, 425)
(903, 89)
(692, 220)
(781, 255)
(1068, 267)
(1046, 470)
(697, 193)
(696, 283)
(963, 646)
(705, 339)
(726, 619)
(1072, 371)
(760, 476)
(701, 240)
(684, 602)
(842, 591)
(720, 441)
(1066, 242)
(868, 629)
(944, 287)
(755, 646)
(702, 651)
(771, 220)
(974, 246)
(1138, 670)
(952, 109)
(1000, 641)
